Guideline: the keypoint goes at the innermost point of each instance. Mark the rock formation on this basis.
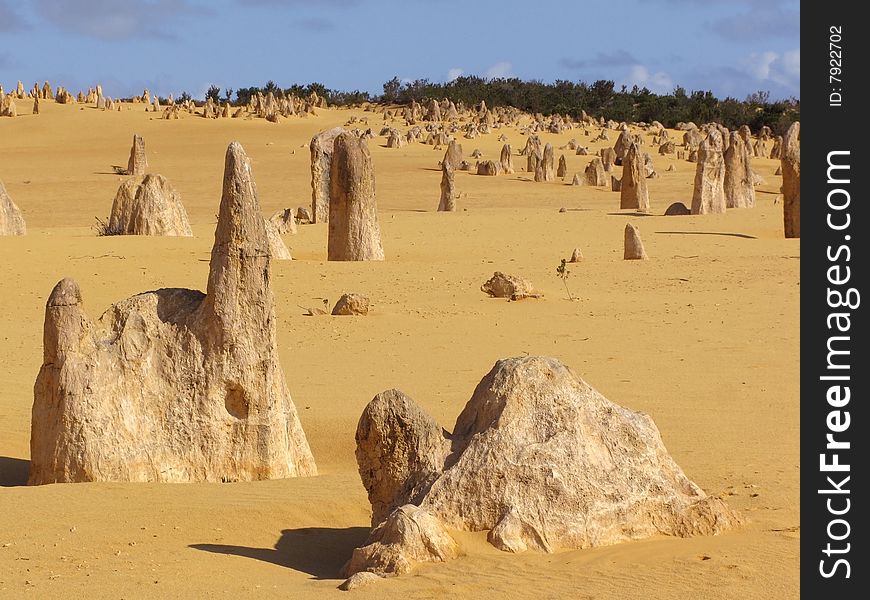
(709, 192)
(608, 158)
(284, 221)
(576, 255)
(354, 230)
(538, 458)
(501, 285)
(677, 209)
(488, 167)
(453, 154)
(448, 188)
(173, 385)
(737, 185)
(506, 159)
(545, 168)
(277, 248)
(148, 205)
(11, 221)
(562, 169)
(633, 246)
(137, 163)
(321, 158)
(351, 304)
(632, 190)
(791, 181)
(594, 173)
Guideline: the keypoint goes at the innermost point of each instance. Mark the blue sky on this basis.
(732, 47)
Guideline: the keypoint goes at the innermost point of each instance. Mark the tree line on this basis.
(600, 98)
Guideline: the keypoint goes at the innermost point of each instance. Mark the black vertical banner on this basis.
(834, 344)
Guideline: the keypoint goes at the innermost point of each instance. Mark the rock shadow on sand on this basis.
(318, 551)
(724, 233)
(13, 471)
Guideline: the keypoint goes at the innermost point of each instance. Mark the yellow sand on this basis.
(703, 337)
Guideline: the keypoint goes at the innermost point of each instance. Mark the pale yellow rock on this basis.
(148, 205)
(173, 385)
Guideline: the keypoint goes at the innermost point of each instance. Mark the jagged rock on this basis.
(623, 142)
(410, 535)
(358, 580)
(545, 168)
(776, 150)
(351, 304)
(501, 285)
(708, 195)
(321, 147)
(532, 161)
(677, 209)
(11, 221)
(453, 154)
(506, 159)
(562, 169)
(791, 181)
(738, 183)
(633, 191)
(137, 163)
(36, 105)
(633, 245)
(487, 167)
(277, 248)
(448, 188)
(8, 107)
(692, 139)
(594, 173)
(354, 230)
(173, 385)
(148, 205)
(667, 148)
(615, 184)
(284, 221)
(582, 151)
(537, 457)
(576, 180)
(476, 154)
(608, 158)
(303, 215)
(576, 255)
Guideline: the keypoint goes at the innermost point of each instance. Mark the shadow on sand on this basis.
(318, 551)
(737, 235)
(13, 471)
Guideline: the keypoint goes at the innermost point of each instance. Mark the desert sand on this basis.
(703, 336)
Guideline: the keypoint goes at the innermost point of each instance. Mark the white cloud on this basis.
(454, 73)
(640, 76)
(502, 69)
(772, 67)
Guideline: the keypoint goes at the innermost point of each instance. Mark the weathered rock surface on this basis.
(354, 230)
(277, 248)
(738, 183)
(174, 384)
(148, 205)
(448, 188)
(633, 246)
(352, 304)
(453, 154)
(594, 173)
(488, 168)
(791, 181)
(632, 189)
(708, 195)
(137, 163)
(506, 159)
(284, 221)
(501, 285)
(11, 221)
(321, 147)
(537, 457)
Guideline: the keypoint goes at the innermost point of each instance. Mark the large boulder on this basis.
(354, 230)
(594, 173)
(148, 205)
(173, 385)
(453, 154)
(506, 159)
(537, 457)
(632, 244)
